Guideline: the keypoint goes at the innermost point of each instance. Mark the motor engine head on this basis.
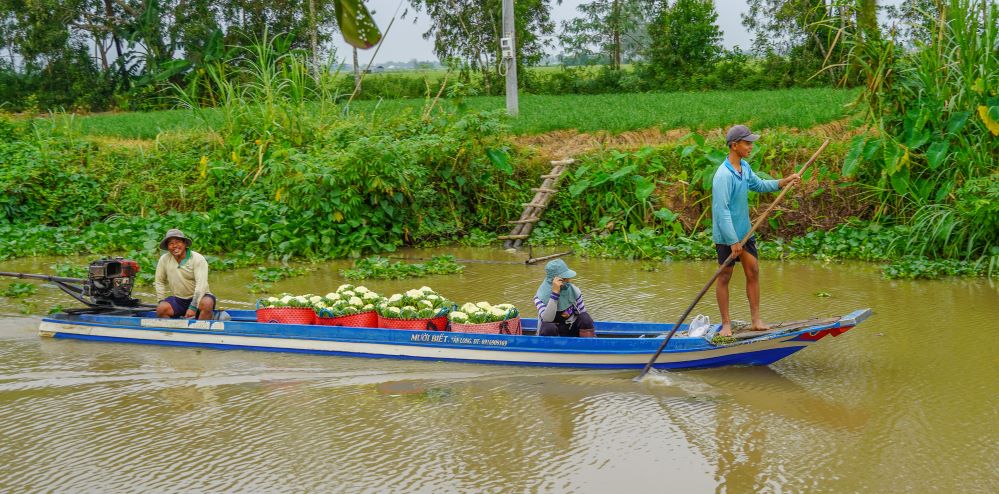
(110, 281)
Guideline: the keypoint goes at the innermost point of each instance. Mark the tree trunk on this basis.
(357, 74)
(616, 27)
(314, 37)
(109, 12)
(102, 51)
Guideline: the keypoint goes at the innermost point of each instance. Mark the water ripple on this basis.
(854, 414)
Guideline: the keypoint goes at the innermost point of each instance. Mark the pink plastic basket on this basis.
(367, 319)
(287, 315)
(432, 324)
(510, 326)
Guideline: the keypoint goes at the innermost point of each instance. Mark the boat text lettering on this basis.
(455, 340)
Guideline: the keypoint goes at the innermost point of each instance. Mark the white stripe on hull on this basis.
(48, 328)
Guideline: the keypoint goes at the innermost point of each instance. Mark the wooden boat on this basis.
(617, 345)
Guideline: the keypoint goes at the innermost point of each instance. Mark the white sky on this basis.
(405, 41)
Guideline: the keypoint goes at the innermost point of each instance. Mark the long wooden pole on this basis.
(759, 221)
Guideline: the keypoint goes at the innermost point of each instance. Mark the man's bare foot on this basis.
(726, 329)
(759, 325)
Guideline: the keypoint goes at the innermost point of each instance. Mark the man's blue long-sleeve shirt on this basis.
(730, 201)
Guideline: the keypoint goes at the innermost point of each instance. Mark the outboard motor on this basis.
(108, 286)
(110, 281)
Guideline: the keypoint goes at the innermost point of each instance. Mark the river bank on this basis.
(346, 187)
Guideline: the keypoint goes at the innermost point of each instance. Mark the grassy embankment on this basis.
(382, 176)
(797, 108)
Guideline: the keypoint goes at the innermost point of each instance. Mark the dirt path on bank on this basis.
(570, 143)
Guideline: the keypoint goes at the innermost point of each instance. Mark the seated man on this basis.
(560, 304)
(185, 273)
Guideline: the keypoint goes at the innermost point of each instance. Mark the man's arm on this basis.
(791, 179)
(200, 282)
(757, 184)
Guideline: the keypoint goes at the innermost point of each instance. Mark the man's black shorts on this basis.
(724, 251)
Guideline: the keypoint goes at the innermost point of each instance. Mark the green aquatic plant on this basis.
(19, 289)
(719, 340)
(264, 274)
(377, 267)
(67, 270)
(649, 267)
(924, 268)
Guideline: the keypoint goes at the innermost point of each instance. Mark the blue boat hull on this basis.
(619, 345)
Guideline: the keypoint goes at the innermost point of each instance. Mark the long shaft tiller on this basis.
(759, 221)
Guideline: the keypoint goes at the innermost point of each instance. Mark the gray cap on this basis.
(174, 233)
(740, 133)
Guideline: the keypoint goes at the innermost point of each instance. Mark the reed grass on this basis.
(935, 110)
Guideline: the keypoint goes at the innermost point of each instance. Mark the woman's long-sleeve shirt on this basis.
(548, 309)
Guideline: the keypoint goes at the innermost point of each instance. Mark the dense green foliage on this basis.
(610, 31)
(274, 178)
(267, 161)
(687, 40)
(138, 46)
(143, 50)
(934, 161)
(860, 241)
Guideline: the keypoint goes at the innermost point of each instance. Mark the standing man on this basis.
(184, 273)
(730, 221)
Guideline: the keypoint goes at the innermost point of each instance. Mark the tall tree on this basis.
(812, 31)
(470, 30)
(615, 28)
(684, 38)
(914, 20)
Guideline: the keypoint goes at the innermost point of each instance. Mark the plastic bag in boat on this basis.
(699, 326)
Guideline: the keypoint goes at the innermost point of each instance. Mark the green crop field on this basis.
(800, 108)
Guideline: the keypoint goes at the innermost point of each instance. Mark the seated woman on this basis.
(560, 304)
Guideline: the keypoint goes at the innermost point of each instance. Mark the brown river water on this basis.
(906, 402)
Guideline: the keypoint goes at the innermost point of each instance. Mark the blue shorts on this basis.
(180, 305)
(725, 250)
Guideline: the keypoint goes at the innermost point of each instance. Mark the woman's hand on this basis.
(557, 285)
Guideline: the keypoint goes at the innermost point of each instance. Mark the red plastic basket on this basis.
(287, 315)
(587, 333)
(432, 324)
(510, 326)
(367, 319)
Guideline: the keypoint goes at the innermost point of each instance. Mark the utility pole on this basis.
(508, 53)
(314, 37)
